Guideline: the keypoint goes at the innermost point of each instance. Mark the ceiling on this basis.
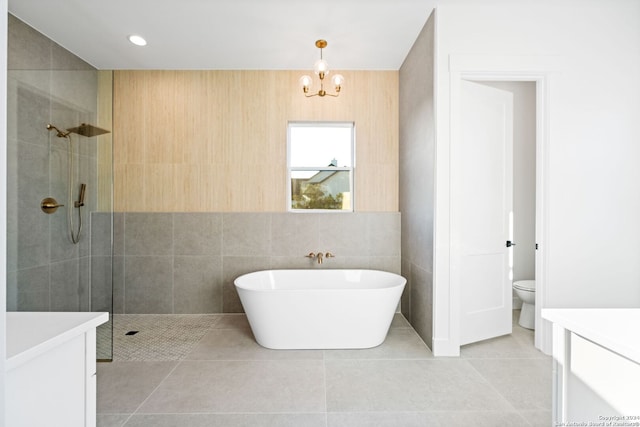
(231, 34)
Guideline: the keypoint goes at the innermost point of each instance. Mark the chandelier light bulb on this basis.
(321, 66)
(337, 80)
(305, 82)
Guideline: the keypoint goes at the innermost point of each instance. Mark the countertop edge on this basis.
(84, 323)
(598, 327)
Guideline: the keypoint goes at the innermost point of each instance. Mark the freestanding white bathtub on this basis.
(320, 309)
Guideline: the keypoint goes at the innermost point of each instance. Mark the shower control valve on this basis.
(49, 205)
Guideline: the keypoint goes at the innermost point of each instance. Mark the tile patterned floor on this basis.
(210, 372)
(158, 337)
(104, 336)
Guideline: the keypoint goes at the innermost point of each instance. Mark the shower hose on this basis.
(75, 236)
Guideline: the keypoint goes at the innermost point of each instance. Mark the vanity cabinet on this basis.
(51, 369)
(596, 366)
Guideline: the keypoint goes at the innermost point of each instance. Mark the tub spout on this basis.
(320, 257)
(317, 256)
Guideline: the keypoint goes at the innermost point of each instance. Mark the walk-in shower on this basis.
(46, 270)
(49, 205)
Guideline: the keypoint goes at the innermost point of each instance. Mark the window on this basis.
(320, 165)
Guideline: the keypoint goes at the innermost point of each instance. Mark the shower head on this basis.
(88, 130)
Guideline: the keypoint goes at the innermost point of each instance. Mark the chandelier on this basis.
(322, 70)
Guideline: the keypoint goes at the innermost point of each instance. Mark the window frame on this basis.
(350, 169)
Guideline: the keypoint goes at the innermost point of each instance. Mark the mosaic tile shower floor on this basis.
(158, 337)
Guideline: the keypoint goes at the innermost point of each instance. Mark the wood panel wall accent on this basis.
(104, 120)
(215, 141)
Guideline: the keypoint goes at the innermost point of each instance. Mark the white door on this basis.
(484, 205)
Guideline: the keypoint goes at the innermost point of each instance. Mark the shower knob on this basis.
(49, 205)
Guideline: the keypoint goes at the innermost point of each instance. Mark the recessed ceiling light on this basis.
(137, 40)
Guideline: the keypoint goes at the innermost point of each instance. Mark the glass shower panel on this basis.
(47, 271)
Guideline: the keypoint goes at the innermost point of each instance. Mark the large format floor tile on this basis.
(538, 418)
(518, 344)
(239, 344)
(525, 383)
(112, 420)
(427, 419)
(408, 385)
(221, 377)
(377, 419)
(513, 346)
(399, 321)
(123, 386)
(241, 386)
(228, 420)
(401, 343)
(232, 321)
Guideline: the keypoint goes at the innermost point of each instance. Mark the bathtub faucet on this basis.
(317, 256)
(320, 256)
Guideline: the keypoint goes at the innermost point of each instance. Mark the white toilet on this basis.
(526, 291)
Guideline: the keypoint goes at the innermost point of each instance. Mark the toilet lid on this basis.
(525, 285)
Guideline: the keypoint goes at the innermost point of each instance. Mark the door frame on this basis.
(488, 68)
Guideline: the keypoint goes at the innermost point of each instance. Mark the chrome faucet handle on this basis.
(329, 255)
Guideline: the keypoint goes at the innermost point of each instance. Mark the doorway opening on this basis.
(514, 221)
(523, 220)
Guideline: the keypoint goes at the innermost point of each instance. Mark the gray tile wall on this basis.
(417, 174)
(186, 262)
(47, 84)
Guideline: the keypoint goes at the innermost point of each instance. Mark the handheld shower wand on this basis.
(80, 201)
(75, 236)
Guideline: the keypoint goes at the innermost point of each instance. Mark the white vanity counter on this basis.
(51, 368)
(29, 334)
(596, 354)
(615, 329)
